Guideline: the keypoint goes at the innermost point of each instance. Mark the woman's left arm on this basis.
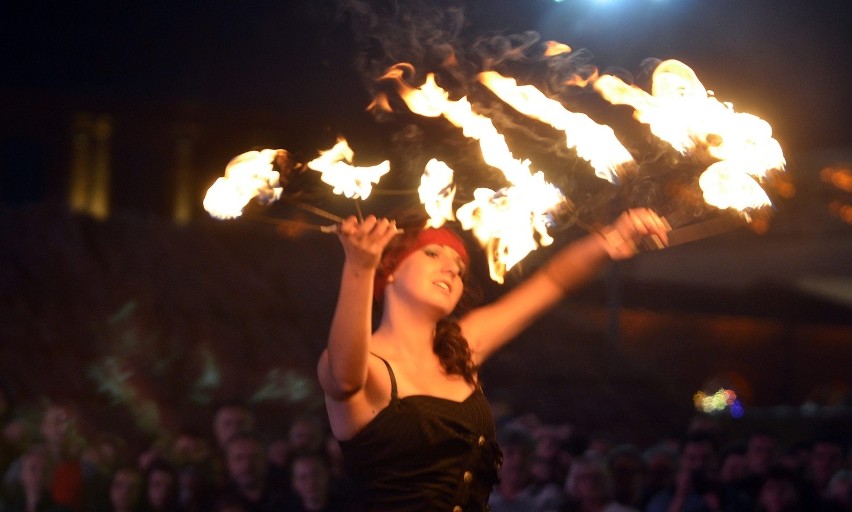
(490, 327)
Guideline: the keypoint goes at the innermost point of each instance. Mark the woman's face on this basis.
(431, 274)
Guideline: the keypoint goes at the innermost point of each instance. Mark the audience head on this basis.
(311, 479)
(761, 451)
(827, 456)
(518, 446)
(780, 492)
(125, 490)
(245, 461)
(698, 454)
(627, 474)
(33, 475)
(161, 487)
(588, 482)
(306, 433)
(734, 464)
(189, 447)
(839, 491)
(59, 429)
(661, 461)
(230, 418)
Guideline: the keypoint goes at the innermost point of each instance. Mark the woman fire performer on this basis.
(404, 401)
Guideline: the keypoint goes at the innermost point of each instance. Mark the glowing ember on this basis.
(593, 142)
(683, 113)
(337, 170)
(247, 176)
(509, 223)
(436, 192)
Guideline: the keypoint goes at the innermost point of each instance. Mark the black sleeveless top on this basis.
(424, 453)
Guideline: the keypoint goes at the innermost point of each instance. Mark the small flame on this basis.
(581, 81)
(505, 222)
(337, 170)
(247, 176)
(683, 113)
(593, 142)
(554, 48)
(436, 192)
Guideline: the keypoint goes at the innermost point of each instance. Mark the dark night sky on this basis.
(785, 61)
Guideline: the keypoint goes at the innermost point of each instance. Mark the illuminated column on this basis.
(78, 191)
(89, 190)
(99, 198)
(185, 195)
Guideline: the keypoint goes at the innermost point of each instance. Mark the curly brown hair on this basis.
(449, 344)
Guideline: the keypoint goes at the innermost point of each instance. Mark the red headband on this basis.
(438, 236)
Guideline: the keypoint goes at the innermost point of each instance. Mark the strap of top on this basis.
(394, 395)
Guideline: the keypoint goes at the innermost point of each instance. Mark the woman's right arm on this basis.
(342, 368)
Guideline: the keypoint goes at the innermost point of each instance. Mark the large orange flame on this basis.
(511, 222)
(738, 146)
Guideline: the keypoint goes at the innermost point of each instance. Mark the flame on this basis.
(509, 223)
(582, 81)
(249, 175)
(683, 113)
(436, 192)
(554, 48)
(593, 142)
(379, 104)
(725, 186)
(337, 170)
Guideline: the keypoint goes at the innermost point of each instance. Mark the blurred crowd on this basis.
(49, 464)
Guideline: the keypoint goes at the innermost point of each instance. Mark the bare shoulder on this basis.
(348, 415)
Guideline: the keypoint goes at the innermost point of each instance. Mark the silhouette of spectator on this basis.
(761, 454)
(311, 484)
(661, 462)
(734, 479)
(627, 470)
(588, 488)
(278, 453)
(781, 491)
(306, 434)
(160, 488)
(70, 479)
(694, 489)
(247, 477)
(827, 456)
(190, 446)
(839, 493)
(125, 490)
(229, 418)
(9, 450)
(546, 466)
(32, 493)
(517, 491)
(195, 488)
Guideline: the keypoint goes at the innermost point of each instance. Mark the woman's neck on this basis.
(406, 332)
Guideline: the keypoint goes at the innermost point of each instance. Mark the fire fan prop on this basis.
(729, 154)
